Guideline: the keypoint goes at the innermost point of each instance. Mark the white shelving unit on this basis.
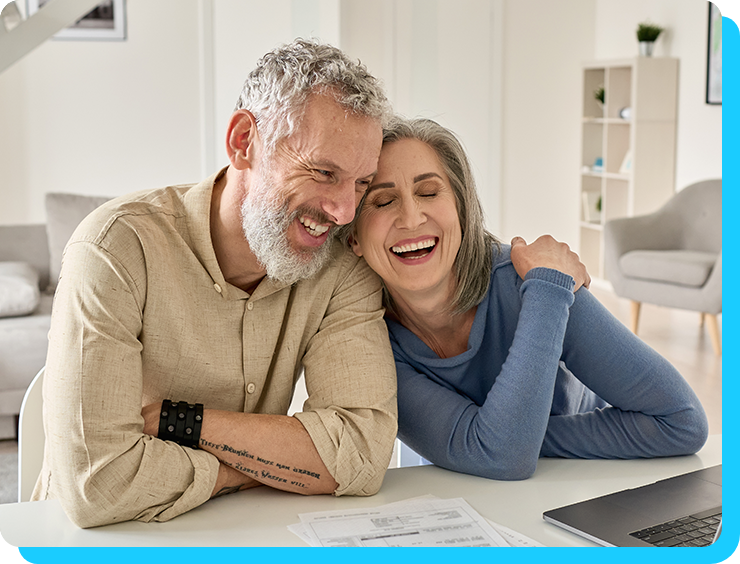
(637, 149)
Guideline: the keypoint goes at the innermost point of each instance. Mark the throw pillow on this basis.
(19, 289)
(64, 212)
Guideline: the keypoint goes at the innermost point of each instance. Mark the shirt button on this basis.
(250, 306)
(217, 288)
(250, 388)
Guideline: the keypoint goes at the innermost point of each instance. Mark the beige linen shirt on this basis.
(143, 313)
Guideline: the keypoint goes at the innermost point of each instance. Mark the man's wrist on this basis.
(181, 422)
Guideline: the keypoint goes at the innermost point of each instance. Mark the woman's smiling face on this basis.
(408, 229)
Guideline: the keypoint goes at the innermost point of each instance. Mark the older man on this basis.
(184, 316)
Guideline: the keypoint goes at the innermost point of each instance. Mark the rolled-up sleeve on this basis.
(351, 412)
(143, 313)
(104, 468)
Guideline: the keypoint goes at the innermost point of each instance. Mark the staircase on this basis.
(19, 40)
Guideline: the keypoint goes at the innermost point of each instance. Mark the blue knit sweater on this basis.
(547, 373)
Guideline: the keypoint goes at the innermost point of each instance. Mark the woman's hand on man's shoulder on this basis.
(546, 252)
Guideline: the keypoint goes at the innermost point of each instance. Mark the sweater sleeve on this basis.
(500, 439)
(653, 411)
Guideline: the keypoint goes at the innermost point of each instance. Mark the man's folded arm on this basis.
(274, 450)
(105, 468)
(343, 440)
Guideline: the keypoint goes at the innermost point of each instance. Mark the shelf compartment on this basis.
(618, 90)
(617, 145)
(593, 142)
(592, 80)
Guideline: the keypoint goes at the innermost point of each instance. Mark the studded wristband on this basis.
(181, 422)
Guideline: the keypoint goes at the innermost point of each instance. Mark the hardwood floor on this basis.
(678, 336)
(8, 445)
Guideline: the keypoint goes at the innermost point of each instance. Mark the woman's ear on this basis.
(356, 248)
(242, 140)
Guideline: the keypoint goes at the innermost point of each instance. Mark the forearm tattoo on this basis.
(262, 474)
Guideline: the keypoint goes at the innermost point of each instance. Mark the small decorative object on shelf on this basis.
(600, 96)
(591, 207)
(647, 33)
(626, 166)
(628, 146)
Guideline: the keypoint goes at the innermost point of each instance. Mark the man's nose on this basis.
(340, 203)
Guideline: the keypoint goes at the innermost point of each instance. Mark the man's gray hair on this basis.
(277, 90)
(475, 258)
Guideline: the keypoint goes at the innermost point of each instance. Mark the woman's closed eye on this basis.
(382, 202)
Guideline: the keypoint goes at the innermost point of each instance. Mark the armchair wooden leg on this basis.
(713, 328)
(635, 310)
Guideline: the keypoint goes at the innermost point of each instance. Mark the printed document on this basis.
(417, 522)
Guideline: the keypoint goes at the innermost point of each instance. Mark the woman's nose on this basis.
(410, 215)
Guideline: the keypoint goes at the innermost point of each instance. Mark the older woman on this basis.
(502, 354)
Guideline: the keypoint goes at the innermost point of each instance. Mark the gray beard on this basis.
(265, 223)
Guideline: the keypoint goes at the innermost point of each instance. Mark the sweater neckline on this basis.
(419, 351)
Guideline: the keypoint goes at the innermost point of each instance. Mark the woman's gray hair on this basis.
(277, 90)
(475, 258)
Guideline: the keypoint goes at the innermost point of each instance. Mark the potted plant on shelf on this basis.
(647, 33)
(600, 96)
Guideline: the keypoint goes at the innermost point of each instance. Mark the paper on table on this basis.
(514, 538)
(417, 522)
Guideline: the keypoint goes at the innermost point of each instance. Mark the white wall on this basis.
(545, 43)
(699, 139)
(102, 117)
(108, 118)
(438, 59)
(244, 30)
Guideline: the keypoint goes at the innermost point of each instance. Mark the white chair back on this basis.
(31, 438)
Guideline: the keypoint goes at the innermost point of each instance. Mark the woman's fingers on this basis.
(547, 252)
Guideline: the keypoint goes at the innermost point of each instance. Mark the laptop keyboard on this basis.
(692, 530)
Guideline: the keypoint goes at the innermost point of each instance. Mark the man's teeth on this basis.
(313, 228)
(413, 246)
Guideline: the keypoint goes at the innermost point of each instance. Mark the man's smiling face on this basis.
(312, 182)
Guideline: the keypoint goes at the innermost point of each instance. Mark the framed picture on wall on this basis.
(107, 21)
(714, 56)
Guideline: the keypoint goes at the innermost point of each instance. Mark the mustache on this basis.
(319, 216)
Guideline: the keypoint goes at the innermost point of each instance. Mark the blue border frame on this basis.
(718, 552)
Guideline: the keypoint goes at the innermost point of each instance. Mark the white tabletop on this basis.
(259, 517)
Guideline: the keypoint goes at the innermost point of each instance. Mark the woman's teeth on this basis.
(401, 249)
(312, 228)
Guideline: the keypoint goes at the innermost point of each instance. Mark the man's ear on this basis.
(242, 140)
(356, 248)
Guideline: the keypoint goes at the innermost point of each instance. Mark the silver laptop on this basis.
(685, 510)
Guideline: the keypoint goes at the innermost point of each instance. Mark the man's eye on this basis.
(323, 172)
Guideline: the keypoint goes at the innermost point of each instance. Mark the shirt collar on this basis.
(197, 202)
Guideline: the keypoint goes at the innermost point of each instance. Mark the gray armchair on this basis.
(672, 257)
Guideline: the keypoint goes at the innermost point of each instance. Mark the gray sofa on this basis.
(31, 255)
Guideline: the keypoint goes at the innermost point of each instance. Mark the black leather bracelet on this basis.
(181, 422)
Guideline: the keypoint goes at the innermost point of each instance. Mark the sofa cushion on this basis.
(64, 212)
(19, 289)
(23, 346)
(686, 268)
